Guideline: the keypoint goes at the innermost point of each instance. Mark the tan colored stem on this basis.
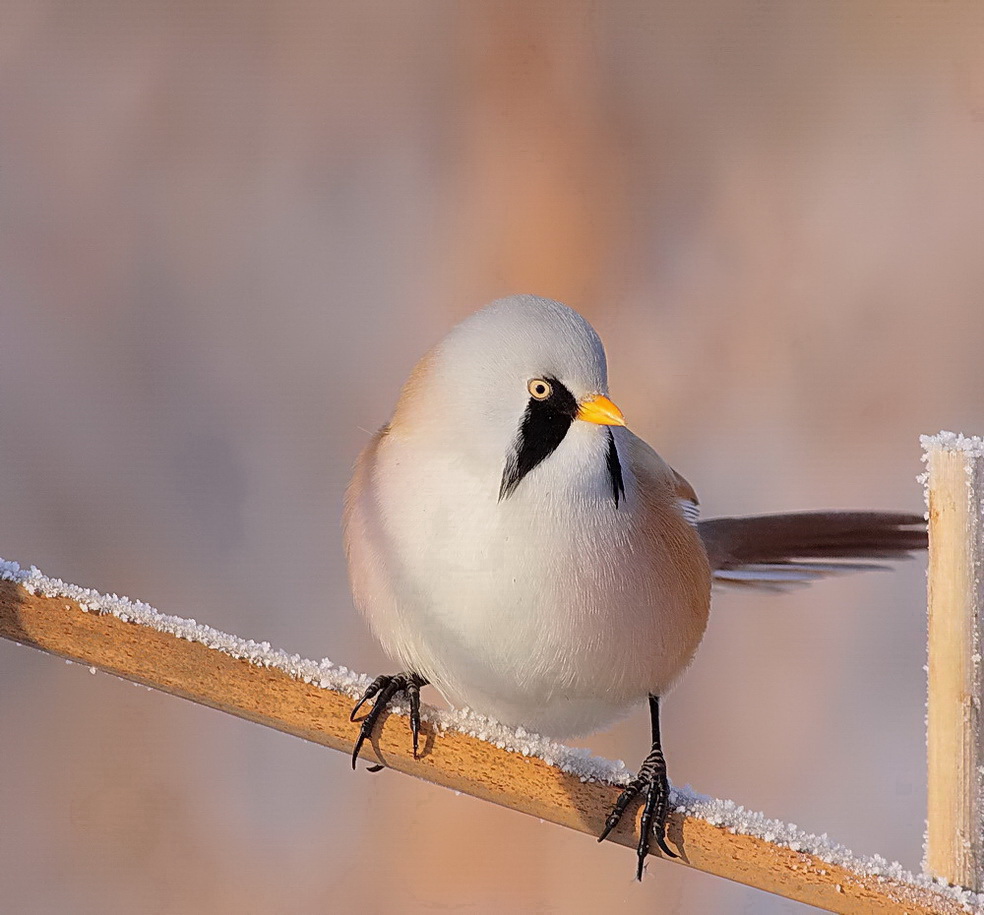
(272, 698)
(956, 563)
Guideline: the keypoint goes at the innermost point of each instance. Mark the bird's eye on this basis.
(540, 389)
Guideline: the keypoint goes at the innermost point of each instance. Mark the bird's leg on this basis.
(384, 688)
(652, 777)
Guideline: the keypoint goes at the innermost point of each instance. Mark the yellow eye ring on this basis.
(540, 389)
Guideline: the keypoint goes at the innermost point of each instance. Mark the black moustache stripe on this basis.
(545, 423)
(615, 469)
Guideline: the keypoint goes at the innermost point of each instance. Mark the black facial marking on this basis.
(615, 469)
(545, 423)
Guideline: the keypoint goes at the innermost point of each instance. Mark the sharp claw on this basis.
(414, 695)
(611, 822)
(358, 705)
(384, 688)
(358, 746)
(371, 690)
(665, 849)
(628, 794)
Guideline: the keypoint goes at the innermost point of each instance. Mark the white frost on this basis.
(576, 761)
(971, 445)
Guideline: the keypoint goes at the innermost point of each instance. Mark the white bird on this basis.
(513, 544)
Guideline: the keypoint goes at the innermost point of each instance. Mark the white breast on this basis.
(546, 610)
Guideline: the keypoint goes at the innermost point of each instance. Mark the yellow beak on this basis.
(600, 410)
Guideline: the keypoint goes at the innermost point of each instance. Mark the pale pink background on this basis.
(228, 230)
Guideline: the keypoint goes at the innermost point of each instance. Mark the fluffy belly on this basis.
(563, 653)
(561, 718)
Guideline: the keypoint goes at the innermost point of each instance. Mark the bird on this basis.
(512, 543)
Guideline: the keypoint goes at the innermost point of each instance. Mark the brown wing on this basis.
(679, 572)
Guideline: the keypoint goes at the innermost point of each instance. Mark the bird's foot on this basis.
(652, 779)
(383, 690)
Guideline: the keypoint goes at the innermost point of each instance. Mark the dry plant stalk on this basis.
(956, 566)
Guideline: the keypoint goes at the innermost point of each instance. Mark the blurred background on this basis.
(227, 232)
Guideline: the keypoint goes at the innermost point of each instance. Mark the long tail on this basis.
(779, 551)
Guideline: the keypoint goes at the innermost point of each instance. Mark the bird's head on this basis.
(506, 386)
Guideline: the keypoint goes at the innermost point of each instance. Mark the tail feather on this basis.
(775, 552)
